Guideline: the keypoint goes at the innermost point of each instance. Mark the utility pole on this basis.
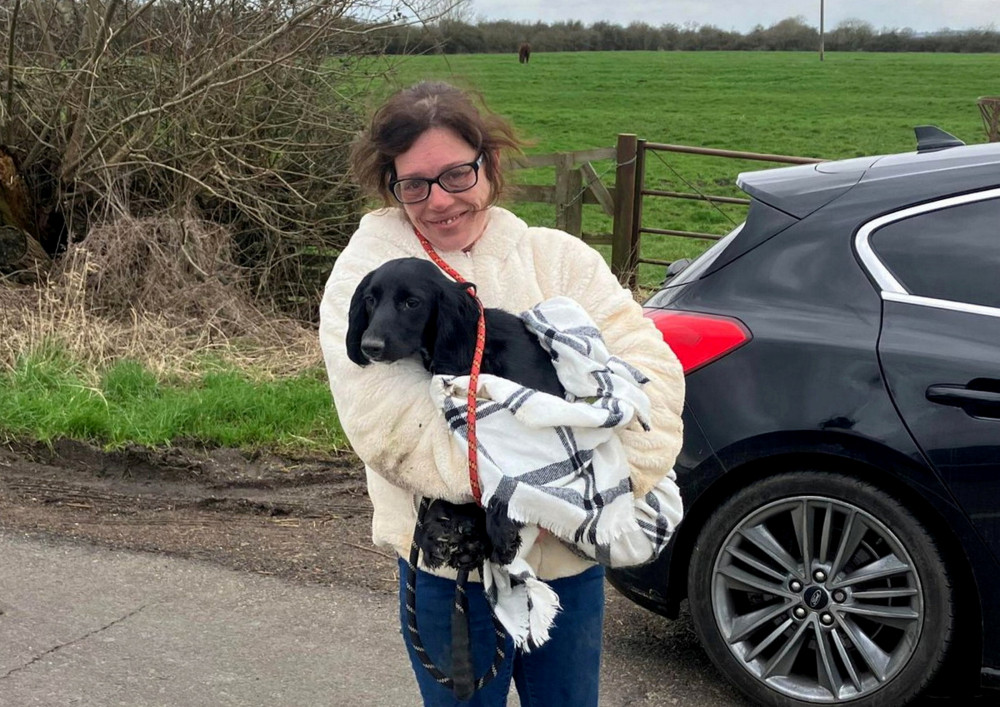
(821, 30)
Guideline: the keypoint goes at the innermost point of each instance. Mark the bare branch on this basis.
(50, 50)
(238, 113)
(202, 83)
(5, 117)
(101, 36)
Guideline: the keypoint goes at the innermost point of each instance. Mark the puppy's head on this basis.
(394, 310)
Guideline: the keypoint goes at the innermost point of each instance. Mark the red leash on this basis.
(477, 360)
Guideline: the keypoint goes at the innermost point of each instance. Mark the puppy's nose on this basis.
(372, 348)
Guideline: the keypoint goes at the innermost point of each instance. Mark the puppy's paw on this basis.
(453, 534)
(504, 533)
(434, 545)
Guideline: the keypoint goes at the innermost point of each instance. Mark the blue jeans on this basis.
(564, 672)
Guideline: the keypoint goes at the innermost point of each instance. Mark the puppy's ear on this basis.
(357, 322)
(454, 335)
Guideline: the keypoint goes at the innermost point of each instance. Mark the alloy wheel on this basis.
(817, 598)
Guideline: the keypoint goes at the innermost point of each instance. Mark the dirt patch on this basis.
(305, 519)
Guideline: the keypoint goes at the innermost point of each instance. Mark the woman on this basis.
(433, 158)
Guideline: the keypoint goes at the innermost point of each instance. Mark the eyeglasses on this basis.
(457, 179)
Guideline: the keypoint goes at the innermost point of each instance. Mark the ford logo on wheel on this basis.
(815, 597)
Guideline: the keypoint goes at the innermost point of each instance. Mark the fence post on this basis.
(635, 242)
(989, 106)
(569, 204)
(623, 250)
(574, 209)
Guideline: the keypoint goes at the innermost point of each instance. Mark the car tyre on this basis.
(811, 587)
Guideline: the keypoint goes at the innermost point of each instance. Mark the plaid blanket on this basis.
(559, 464)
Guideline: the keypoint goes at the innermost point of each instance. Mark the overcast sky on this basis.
(744, 15)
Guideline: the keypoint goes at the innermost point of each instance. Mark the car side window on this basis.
(950, 254)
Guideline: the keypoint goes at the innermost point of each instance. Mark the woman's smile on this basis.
(451, 221)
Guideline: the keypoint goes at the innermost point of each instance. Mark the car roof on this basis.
(801, 190)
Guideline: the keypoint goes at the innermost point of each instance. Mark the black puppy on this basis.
(408, 307)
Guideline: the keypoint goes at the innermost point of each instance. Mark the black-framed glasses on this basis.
(454, 180)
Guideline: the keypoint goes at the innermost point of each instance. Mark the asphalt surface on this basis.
(85, 625)
(88, 626)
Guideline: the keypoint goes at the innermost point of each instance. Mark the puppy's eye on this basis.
(369, 301)
(411, 303)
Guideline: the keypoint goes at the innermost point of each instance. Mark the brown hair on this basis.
(408, 114)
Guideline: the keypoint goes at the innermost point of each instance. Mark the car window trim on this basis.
(891, 289)
(941, 304)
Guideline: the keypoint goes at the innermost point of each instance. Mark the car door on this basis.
(938, 265)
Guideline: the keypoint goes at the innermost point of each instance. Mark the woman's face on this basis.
(450, 221)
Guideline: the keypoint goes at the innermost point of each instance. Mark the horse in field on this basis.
(524, 53)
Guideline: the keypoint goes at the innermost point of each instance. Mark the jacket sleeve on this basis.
(386, 409)
(586, 278)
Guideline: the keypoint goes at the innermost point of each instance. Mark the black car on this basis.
(841, 459)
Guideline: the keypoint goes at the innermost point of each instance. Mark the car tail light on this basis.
(699, 339)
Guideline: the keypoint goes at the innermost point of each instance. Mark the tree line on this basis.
(451, 36)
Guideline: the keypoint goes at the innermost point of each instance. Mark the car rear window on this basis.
(950, 254)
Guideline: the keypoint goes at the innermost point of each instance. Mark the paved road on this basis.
(86, 626)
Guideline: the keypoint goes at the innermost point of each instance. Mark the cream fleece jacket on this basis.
(386, 409)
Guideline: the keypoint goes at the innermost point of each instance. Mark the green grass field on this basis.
(785, 103)
(770, 102)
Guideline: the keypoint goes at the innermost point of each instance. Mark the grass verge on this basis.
(48, 395)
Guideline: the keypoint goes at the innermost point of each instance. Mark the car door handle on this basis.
(974, 402)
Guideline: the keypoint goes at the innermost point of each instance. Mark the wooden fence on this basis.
(573, 171)
(989, 108)
(577, 183)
